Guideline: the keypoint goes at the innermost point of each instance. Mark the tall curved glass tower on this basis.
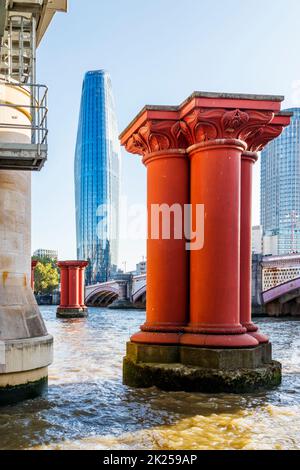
(97, 178)
(280, 187)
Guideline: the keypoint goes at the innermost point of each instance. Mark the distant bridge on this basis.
(276, 284)
(127, 290)
(283, 299)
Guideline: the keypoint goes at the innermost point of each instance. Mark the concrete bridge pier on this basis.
(25, 346)
(199, 335)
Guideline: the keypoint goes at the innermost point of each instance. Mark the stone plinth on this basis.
(173, 368)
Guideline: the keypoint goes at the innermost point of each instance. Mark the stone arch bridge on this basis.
(276, 284)
(126, 291)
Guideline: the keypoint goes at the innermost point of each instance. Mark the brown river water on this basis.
(87, 407)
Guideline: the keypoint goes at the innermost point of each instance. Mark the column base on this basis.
(182, 368)
(148, 337)
(260, 337)
(65, 312)
(255, 332)
(219, 341)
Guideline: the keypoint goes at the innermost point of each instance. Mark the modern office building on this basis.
(257, 240)
(141, 268)
(43, 253)
(97, 178)
(280, 189)
(263, 244)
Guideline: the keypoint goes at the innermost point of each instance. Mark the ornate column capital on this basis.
(156, 136)
(253, 119)
(205, 124)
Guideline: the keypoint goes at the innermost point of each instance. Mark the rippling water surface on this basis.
(87, 407)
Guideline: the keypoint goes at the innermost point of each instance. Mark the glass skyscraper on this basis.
(97, 178)
(280, 187)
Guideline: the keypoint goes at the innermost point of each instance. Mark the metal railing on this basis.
(36, 111)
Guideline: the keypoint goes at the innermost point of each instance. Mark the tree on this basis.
(46, 277)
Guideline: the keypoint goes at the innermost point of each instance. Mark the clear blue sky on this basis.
(157, 52)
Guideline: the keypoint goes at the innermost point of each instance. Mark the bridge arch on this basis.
(102, 296)
(140, 295)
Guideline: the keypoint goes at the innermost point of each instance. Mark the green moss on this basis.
(175, 377)
(10, 395)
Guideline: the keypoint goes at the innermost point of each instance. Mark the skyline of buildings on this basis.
(280, 191)
(45, 253)
(97, 178)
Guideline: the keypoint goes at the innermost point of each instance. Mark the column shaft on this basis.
(73, 287)
(248, 160)
(215, 269)
(33, 266)
(64, 290)
(167, 270)
(81, 286)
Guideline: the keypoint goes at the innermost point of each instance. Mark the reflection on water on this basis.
(87, 407)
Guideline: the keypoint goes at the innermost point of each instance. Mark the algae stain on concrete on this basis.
(4, 278)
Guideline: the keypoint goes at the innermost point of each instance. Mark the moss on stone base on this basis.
(179, 377)
(10, 395)
(66, 313)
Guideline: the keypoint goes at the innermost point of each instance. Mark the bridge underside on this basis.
(283, 300)
(283, 307)
(104, 299)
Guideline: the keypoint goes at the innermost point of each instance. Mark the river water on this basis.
(87, 407)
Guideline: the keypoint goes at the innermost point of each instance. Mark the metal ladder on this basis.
(18, 52)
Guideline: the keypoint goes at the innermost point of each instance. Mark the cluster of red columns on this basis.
(203, 152)
(72, 275)
(72, 279)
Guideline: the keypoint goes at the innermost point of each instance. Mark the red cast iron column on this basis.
(64, 284)
(215, 269)
(157, 137)
(33, 266)
(81, 282)
(248, 160)
(74, 287)
(220, 128)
